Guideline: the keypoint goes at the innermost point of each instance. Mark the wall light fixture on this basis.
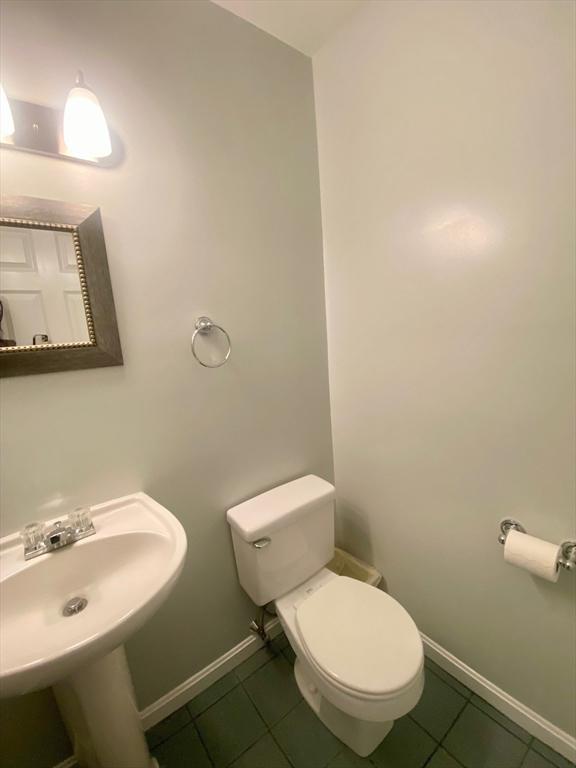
(86, 133)
(80, 133)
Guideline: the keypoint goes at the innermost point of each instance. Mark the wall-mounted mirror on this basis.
(56, 304)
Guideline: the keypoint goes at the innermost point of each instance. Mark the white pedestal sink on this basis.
(124, 572)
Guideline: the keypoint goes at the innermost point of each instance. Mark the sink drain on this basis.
(74, 605)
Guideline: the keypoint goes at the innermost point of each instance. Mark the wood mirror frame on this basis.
(85, 225)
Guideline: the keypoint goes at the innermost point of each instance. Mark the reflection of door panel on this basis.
(17, 250)
(66, 254)
(40, 287)
(76, 315)
(23, 315)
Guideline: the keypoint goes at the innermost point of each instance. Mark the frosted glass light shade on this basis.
(86, 133)
(6, 119)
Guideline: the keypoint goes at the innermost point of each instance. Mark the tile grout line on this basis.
(426, 731)
(279, 653)
(282, 752)
(435, 738)
(444, 747)
(508, 730)
(267, 727)
(442, 744)
(195, 717)
(265, 724)
(457, 689)
(206, 750)
(284, 716)
(181, 728)
(547, 757)
(248, 748)
(268, 732)
(239, 683)
(525, 755)
(429, 759)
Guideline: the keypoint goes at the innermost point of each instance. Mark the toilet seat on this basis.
(360, 638)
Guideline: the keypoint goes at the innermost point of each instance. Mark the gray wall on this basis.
(446, 142)
(215, 210)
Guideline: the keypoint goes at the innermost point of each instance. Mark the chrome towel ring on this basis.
(204, 326)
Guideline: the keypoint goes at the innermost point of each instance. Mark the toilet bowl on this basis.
(359, 657)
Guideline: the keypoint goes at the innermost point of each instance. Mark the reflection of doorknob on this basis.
(42, 336)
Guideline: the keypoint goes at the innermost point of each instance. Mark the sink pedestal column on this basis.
(99, 709)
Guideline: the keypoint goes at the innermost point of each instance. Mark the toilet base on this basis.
(360, 735)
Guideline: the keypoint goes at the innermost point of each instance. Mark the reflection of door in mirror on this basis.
(40, 293)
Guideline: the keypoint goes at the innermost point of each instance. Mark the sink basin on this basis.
(124, 572)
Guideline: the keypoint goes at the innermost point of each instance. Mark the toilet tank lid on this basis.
(269, 511)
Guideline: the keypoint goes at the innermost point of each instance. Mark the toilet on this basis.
(359, 656)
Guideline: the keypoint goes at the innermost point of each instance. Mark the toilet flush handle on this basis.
(261, 543)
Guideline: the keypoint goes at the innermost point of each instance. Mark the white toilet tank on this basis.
(283, 536)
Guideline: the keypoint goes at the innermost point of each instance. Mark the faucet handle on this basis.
(33, 536)
(80, 520)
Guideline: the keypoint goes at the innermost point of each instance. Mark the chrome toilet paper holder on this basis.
(568, 548)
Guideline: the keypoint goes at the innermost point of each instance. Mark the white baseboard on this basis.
(70, 762)
(194, 685)
(203, 679)
(520, 714)
(517, 712)
(526, 718)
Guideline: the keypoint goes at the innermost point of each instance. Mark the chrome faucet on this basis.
(39, 538)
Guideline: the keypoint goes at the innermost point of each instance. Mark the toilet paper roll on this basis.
(535, 555)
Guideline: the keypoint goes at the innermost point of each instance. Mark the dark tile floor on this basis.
(254, 717)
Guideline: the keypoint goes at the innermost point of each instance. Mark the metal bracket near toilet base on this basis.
(258, 626)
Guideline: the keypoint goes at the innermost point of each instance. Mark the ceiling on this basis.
(304, 24)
